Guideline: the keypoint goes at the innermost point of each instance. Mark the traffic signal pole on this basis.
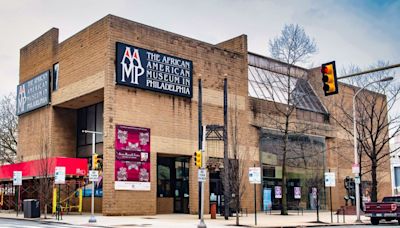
(92, 219)
(370, 71)
(202, 224)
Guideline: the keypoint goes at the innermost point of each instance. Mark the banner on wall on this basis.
(297, 192)
(132, 158)
(267, 202)
(278, 192)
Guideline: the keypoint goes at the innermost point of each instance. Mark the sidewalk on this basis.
(308, 219)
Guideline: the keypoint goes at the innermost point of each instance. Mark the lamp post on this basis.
(92, 219)
(357, 174)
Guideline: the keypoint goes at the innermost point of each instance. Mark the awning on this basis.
(45, 167)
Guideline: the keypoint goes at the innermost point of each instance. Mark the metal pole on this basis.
(330, 196)
(200, 110)
(356, 157)
(92, 218)
(255, 203)
(16, 199)
(357, 174)
(226, 158)
(202, 224)
(317, 204)
(370, 71)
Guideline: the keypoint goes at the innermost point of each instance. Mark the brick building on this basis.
(95, 84)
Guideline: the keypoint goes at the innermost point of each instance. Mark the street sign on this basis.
(17, 178)
(202, 175)
(93, 175)
(255, 175)
(357, 180)
(330, 180)
(355, 169)
(59, 176)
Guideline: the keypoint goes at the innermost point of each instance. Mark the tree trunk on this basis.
(374, 190)
(45, 211)
(284, 210)
(237, 210)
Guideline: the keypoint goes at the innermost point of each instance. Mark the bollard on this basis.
(344, 212)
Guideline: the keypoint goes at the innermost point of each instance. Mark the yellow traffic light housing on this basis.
(197, 158)
(329, 78)
(95, 161)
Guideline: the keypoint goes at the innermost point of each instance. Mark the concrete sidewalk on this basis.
(308, 219)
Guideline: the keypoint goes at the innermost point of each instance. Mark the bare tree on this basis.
(8, 129)
(293, 46)
(239, 157)
(377, 121)
(44, 183)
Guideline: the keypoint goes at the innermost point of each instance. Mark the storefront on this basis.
(138, 88)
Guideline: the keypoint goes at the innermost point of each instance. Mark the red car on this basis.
(388, 209)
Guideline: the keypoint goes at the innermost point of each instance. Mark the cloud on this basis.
(345, 31)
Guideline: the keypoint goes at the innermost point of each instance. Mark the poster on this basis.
(297, 192)
(267, 202)
(132, 158)
(278, 192)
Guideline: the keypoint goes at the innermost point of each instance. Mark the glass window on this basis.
(55, 76)
(91, 122)
(164, 188)
(81, 126)
(89, 118)
(272, 86)
(99, 122)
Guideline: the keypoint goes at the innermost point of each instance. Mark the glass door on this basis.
(181, 193)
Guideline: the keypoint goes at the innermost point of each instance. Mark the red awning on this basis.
(38, 168)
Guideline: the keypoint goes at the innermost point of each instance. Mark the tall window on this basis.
(56, 68)
(90, 118)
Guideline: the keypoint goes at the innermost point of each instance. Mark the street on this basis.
(18, 223)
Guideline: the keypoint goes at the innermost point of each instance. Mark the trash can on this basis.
(31, 208)
(213, 210)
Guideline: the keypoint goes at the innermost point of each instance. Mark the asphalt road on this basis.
(382, 224)
(18, 223)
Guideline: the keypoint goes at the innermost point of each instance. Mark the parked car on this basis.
(388, 209)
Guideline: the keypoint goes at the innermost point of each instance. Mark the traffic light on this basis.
(95, 161)
(329, 78)
(197, 158)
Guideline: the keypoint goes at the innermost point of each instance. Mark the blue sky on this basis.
(348, 31)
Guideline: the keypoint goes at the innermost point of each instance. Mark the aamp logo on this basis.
(131, 66)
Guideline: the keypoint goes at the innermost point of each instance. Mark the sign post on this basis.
(59, 178)
(255, 178)
(17, 181)
(92, 219)
(330, 182)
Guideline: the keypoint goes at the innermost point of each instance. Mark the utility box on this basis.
(31, 208)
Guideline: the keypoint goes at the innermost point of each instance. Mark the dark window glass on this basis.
(55, 76)
(89, 118)
(99, 122)
(81, 126)
(269, 171)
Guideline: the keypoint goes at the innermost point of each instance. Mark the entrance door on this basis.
(181, 193)
(216, 190)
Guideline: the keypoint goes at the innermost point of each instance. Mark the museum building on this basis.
(137, 87)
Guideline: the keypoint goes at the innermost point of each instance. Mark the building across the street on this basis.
(137, 88)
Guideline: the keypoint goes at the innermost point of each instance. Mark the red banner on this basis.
(132, 158)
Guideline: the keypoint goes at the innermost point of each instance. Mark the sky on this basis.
(350, 32)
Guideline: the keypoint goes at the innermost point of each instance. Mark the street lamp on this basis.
(357, 173)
